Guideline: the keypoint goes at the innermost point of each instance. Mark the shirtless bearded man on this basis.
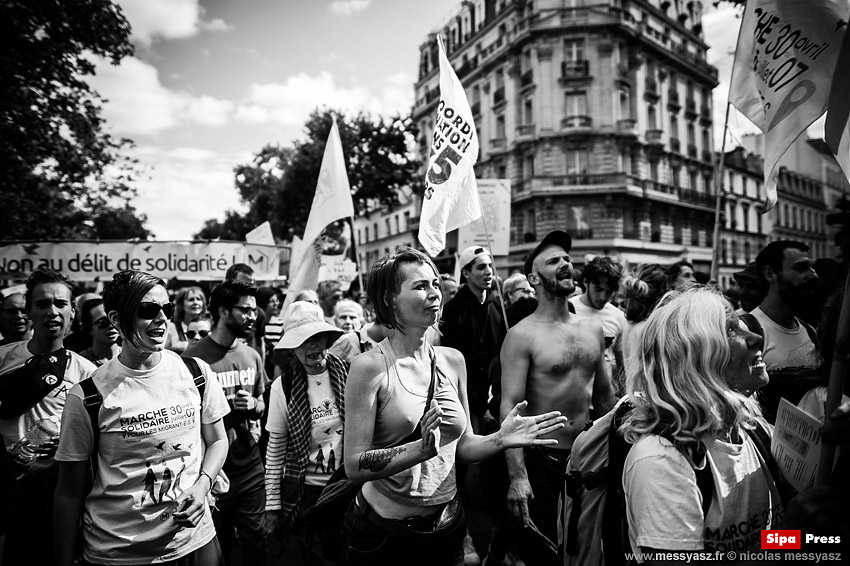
(555, 361)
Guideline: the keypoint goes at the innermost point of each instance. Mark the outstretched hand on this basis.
(518, 431)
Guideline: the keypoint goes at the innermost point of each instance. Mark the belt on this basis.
(413, 526)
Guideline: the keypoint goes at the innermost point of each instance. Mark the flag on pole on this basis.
(837, 129)
(783, 69)
(332, 202)
(451, 195)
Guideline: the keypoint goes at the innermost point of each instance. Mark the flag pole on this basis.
(354, 245)
(718, 189)
(837, 375)
(498, 283)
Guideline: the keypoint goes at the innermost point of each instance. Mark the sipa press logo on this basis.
(780, 539)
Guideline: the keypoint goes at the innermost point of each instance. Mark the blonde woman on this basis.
(691, 381)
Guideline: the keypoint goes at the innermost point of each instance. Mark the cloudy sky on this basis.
(213, 81)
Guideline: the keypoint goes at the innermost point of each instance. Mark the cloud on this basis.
(348, 7)
(167, 19)
(138, 104)
(216, 24)
(183, 182)
(288, 104)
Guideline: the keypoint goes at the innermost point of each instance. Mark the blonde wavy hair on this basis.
(676, 379)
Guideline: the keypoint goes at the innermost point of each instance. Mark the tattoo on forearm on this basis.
(377, 460)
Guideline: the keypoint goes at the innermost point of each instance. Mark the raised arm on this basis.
(362, 462)
(602, 396)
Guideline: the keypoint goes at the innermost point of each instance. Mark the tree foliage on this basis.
(279, 183)
(59, 169)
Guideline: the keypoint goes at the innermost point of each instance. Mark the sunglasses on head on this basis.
(202, 333)
(149, 311)
(102, 323)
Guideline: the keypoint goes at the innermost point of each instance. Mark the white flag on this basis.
(332, 202)
(451, 195)
(783, 69)
(837, 129)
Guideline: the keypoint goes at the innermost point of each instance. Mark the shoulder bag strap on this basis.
(197, 375)
(92, 401)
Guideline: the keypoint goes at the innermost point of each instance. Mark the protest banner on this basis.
(495, 197)
(90, 261)
(262, 234)
(784, 62)
(451, 195)
(796, 445)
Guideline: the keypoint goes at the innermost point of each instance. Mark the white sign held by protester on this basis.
(451, 195)
(783, 69)
(495, 197)
(796, 445)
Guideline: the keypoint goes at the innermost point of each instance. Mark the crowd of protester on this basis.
(200, 423)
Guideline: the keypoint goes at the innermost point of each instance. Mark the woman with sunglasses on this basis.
(403, 451)
(190, 303)
(200, 327)
(158, 443)
(104, 337)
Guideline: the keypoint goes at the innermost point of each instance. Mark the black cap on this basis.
(556, 237)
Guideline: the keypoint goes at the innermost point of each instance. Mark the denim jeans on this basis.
(366, 543)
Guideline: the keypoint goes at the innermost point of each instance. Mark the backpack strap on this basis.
(761, 439)
(92, 401)
(198, 376)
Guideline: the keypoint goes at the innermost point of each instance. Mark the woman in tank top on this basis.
(408, 510)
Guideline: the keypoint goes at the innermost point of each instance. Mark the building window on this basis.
(692, 136)
(500, 125)
(525, 64)
(367, 233)
(406, 219)
(579, 221)
(387, 226)
(652, 120)
(528, 111)
(576, 104)
(574, 50)
(693, 181)
(653, 169)
(577, 160)
(746, 217)
(500, 78)
(674, 126)
(528, 166)
(625, 106)
(501, 171)
(397, 224)
(375, 228)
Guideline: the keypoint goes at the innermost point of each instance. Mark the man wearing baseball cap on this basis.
(554, 359)
(472, 324)
(306, 416)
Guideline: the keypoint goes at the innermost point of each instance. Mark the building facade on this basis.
(744, 229)
(600, 114)
(384, 229)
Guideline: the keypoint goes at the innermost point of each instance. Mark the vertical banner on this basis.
(451, 194)
(495, 197)
(784, 62)
(331, 203)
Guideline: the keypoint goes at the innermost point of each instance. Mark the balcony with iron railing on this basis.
(705, 115)
(675, 145)
(690, 107)
(525, 131)
(655, 137)
(707, 156)
(692, 151)
(498, 143)
(577, 124)
(627, 127)
(574, 70)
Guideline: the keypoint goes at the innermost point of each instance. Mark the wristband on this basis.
(203, 473)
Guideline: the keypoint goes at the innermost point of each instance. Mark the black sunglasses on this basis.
(149, 311)
(201, 333)
(102, 323)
